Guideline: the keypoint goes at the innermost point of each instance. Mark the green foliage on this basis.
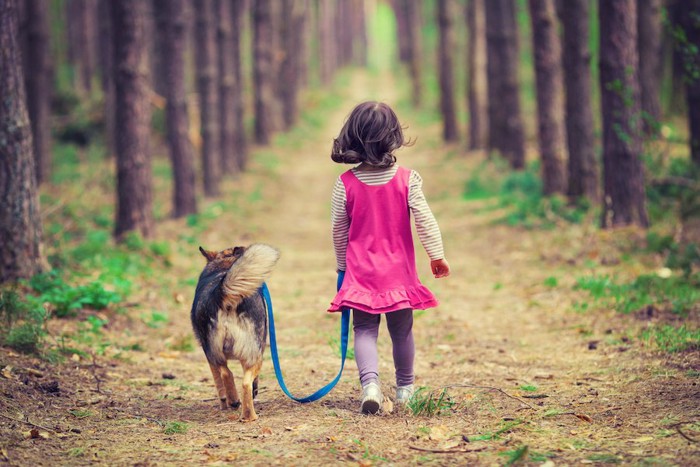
(674, 190)
(491, 436)
(334, 342)
(516, 455)
(430, 403)
(672, 339)
(519, 193)
(172, 428)
(65, 300)
(24, 322)
(677, 294)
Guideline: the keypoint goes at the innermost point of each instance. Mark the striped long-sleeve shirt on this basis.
(426, 225)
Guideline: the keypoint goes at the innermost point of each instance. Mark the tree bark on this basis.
(506, 134)
(21, 248)
(582, 167)
(550, 95)
(359, 32)
(134, 186)
(227, 81)
(649, 41)
(170, 20)
(477, 85)
(446, 70)
(262, 66)
(623, 175)
(327, 44)
(690, 56)
(238, 12)
(293, 14)
(402, 26)
(106, 56)
(39, 84)
(82, 16)
(410, 10)
(207, 87)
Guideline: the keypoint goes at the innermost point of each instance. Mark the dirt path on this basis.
(524, 370)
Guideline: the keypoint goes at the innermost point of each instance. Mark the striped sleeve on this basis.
(340, 223)
(426, 225)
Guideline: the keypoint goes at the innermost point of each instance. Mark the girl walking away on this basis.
(371, 212)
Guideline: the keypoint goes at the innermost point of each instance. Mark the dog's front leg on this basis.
(250, 374)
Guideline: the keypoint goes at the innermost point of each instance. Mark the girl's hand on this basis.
(440, 268)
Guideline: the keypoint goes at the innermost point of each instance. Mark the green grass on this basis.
(427, 403)
(519, 195)
(672, 339)
(676, 294)
(172, 428)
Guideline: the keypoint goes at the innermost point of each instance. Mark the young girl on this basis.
(371, 208)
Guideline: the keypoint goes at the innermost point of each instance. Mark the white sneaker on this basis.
(404, 394)
(371, 398)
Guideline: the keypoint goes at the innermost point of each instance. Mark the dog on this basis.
(229, 320)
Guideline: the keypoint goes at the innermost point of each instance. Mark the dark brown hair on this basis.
(371, 134)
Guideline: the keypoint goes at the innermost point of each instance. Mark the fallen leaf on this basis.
(75, 357)
(439, 433)
(584, 417)
(179, 298)
(7, 372)
(266, 431)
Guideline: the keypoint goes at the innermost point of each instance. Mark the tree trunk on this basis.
(550, 95)
(402, 26)
(649, 29)
(477, 85)
(170, 20)
(134, 186)
(690, 56)
(293, 13)
(327, 44)
(238, 12)
(506, 134)
(82, 16)
(411, 11)
(227, 81)
(623, 175)
(207, 87)
(39, 84)
(343, 32)
(446, 70)
(262, 66)
(21, 248)
(582, 167)
(359, 32)
(106, 55)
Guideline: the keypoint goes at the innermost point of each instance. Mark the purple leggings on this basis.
(366, 327)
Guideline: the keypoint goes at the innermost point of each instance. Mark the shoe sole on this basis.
(370, 407)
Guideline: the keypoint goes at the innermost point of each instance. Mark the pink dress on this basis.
(381, 265)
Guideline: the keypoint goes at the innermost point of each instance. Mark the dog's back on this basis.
(229, 317)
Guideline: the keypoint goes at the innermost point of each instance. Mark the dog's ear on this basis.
(209, 255)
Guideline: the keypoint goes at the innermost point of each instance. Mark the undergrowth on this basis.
(520, 195)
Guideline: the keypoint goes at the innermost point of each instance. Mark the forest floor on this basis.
(528, 379)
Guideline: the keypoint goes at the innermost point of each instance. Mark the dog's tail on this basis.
(250, 270)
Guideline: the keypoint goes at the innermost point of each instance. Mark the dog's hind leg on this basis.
(220, 389)
(250, 375)
(229, 385)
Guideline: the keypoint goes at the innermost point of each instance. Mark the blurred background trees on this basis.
(578, 87)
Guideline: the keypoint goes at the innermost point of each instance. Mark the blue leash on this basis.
(344, 328)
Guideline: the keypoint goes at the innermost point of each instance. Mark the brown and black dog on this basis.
(228, 317)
